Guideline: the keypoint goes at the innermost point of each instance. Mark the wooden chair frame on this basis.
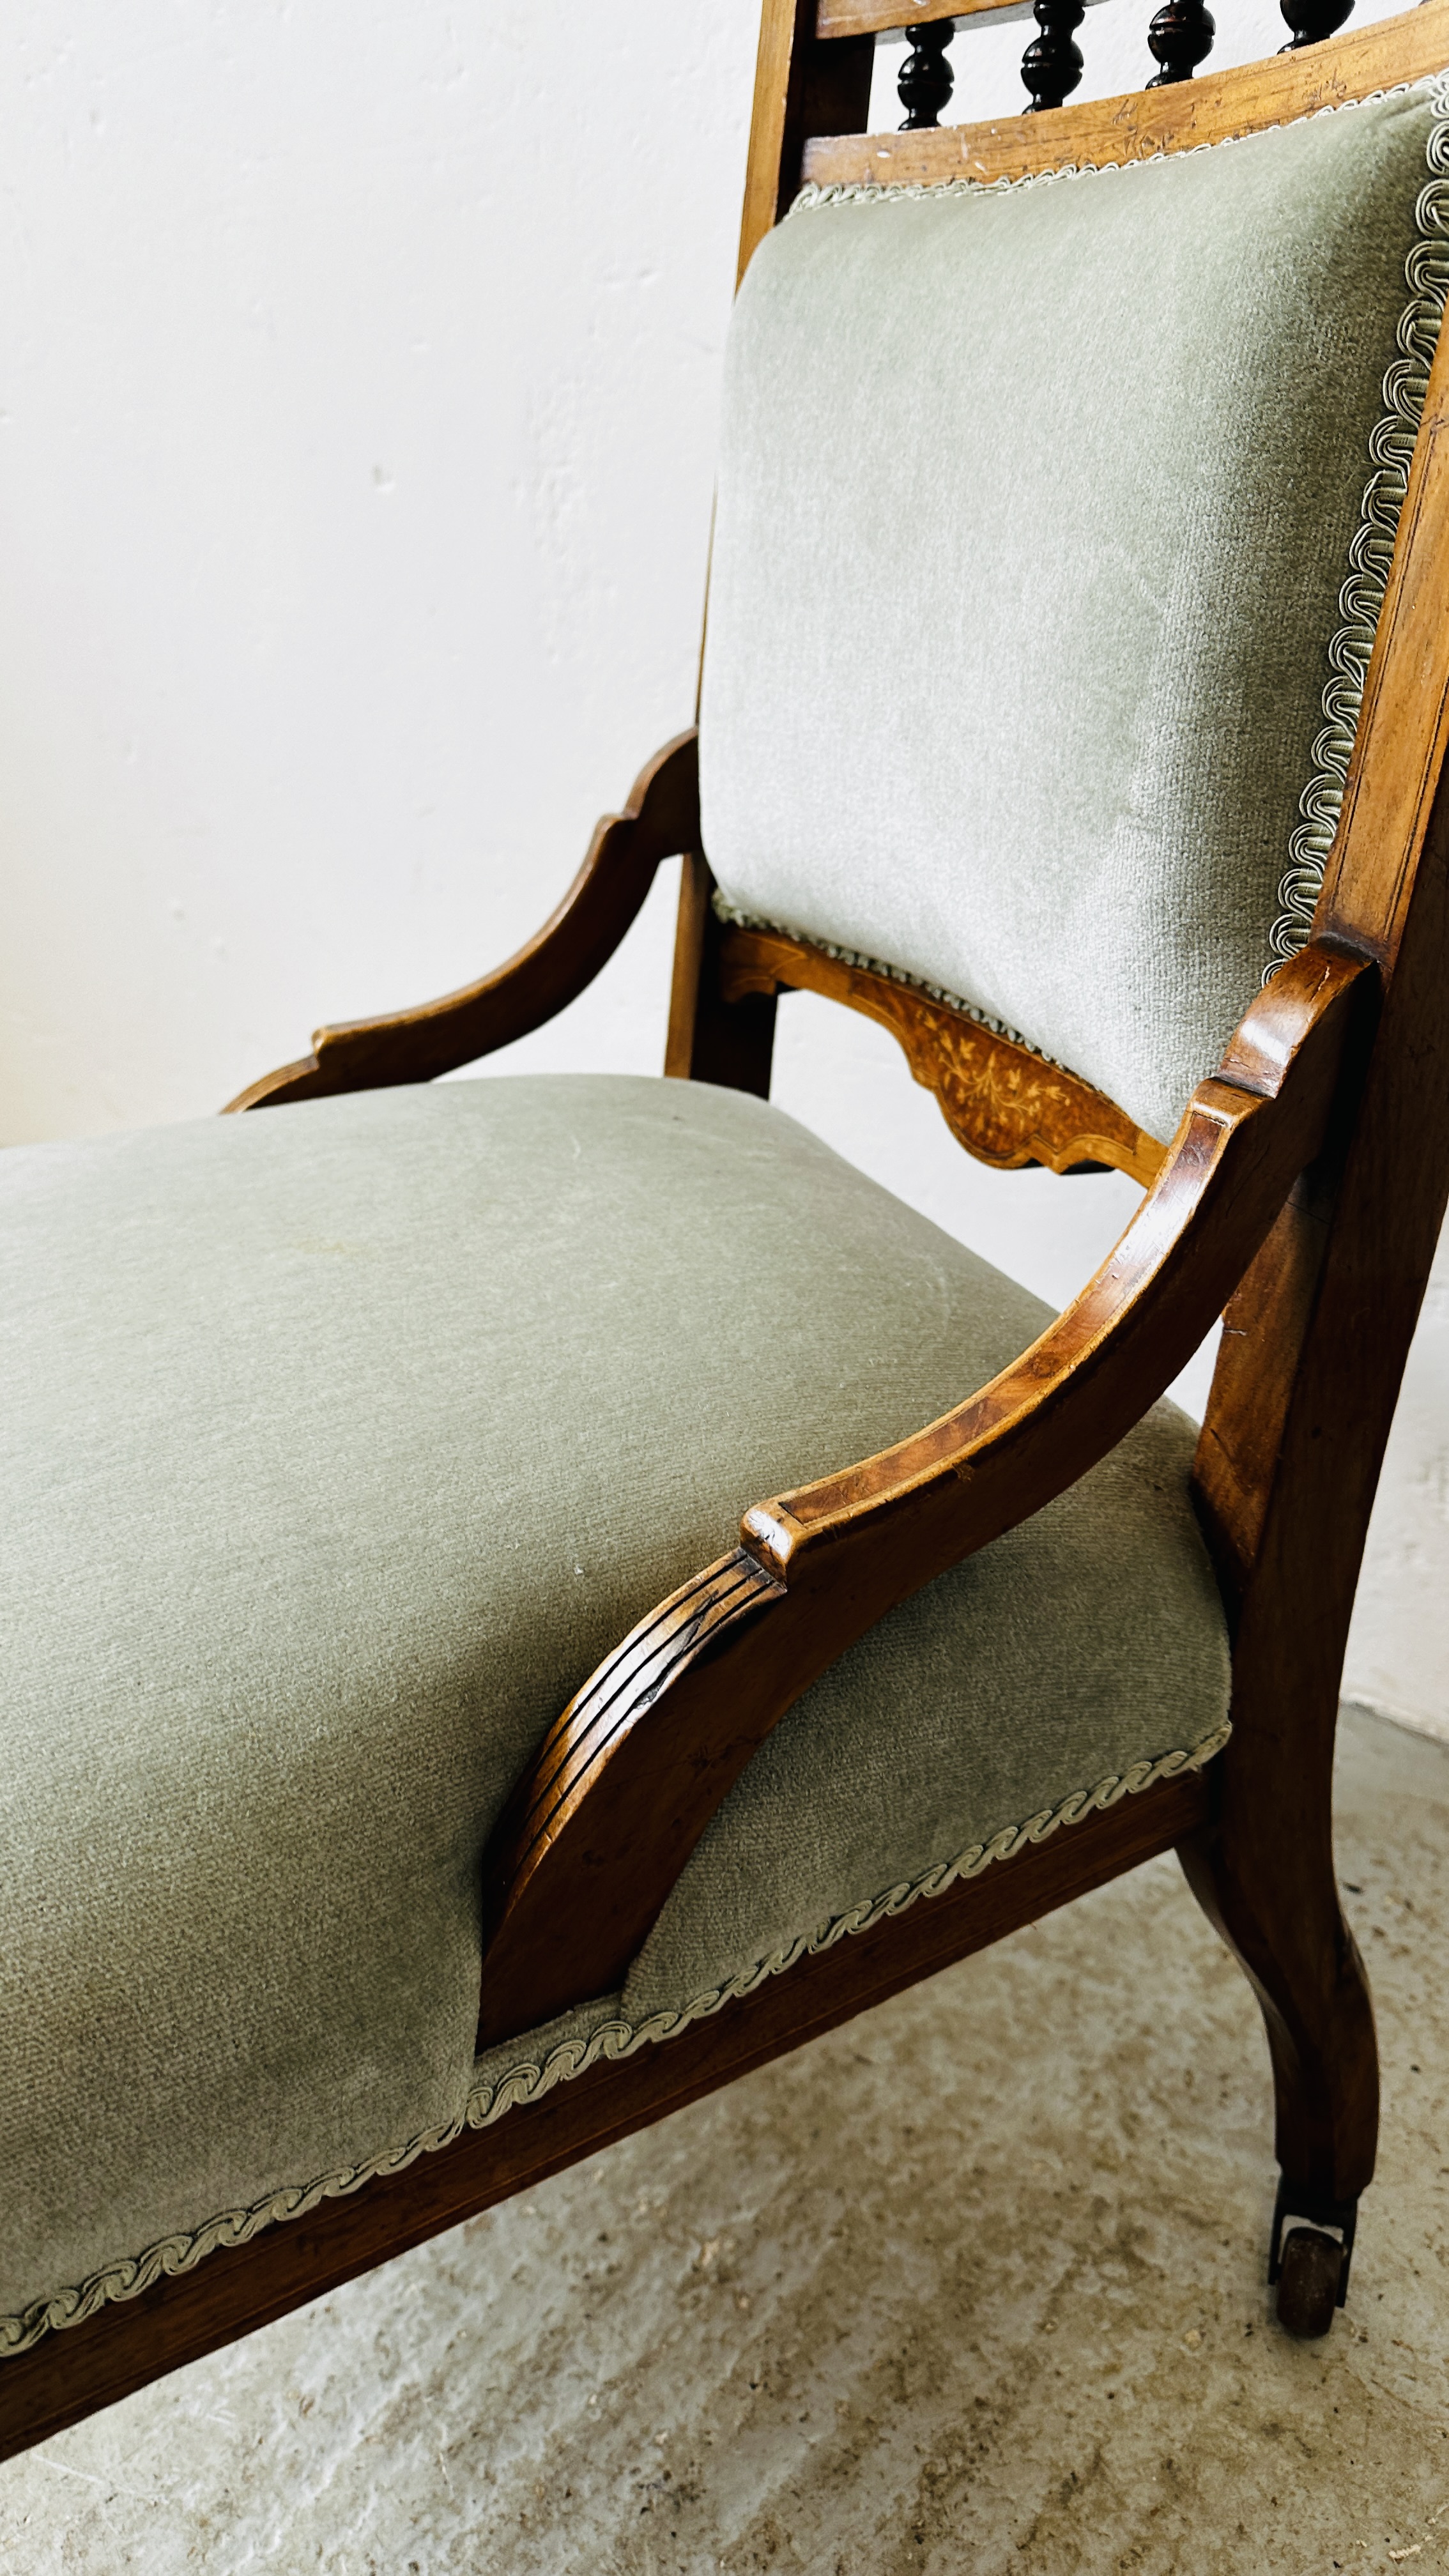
(1303, 1192)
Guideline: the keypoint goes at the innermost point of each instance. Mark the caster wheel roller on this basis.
(1311, 2268)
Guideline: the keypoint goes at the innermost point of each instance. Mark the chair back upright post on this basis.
(1311, 1365)
(1319, 1330)
(805, 84)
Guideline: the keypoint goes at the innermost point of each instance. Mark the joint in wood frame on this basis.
(712, 1038)
(805, 85)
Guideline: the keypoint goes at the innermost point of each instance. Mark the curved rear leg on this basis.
(1262, 1871)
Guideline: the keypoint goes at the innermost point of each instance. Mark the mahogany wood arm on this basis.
(601, 1824)
(660, 819)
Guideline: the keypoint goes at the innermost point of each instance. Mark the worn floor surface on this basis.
(973, 2285)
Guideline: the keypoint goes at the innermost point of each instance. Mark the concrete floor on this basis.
(973, 2285)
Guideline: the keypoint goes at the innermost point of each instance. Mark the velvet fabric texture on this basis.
(337, 1445)
(1034, 507)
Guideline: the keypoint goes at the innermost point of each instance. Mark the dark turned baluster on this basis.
(1312, 20)
(926, 80)
(1181, 36)
(1052, 66)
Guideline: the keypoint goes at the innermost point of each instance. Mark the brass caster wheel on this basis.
(1309, 2273)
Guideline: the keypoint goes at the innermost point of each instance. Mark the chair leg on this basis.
(1262, 1871)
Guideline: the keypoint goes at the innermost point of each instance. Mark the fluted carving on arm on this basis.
(600, 1826)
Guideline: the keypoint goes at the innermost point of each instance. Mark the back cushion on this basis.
(1035, 507)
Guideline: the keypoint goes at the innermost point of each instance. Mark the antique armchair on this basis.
(417, 1773)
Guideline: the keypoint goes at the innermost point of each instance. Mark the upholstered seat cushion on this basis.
(336, 1445)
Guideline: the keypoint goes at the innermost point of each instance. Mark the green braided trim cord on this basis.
(612, 2037)
(1360, 602)
(1391, 449)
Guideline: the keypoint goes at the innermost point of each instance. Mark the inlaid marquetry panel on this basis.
(1007, 1106)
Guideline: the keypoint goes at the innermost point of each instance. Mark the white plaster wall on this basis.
(358, 367)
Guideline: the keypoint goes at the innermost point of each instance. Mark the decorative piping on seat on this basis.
(529, 2079)
(1391, 449)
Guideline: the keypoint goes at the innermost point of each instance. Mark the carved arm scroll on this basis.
(600, 1826)
(660, 819)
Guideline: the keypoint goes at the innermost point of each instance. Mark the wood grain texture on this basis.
(802, 87)
(1316, 1335)
(72, 2373)
(714, 1035)
(1040, 1424)
(660, 819)
(1008, 1107)
(578, 1790)
(638, 1763)
(839, 18)
(1312, 1359)
(1144, 122)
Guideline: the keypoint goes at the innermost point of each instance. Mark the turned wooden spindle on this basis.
(1052, 66)
(926, 78)
(1312, 20)
(1181, 36)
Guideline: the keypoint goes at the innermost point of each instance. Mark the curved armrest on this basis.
(660, 819)
(601, 1824)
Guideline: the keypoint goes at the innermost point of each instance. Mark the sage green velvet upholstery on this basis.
(337, 1444)
(1034, 507)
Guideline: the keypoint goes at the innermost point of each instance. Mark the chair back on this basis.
(1056, 507)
